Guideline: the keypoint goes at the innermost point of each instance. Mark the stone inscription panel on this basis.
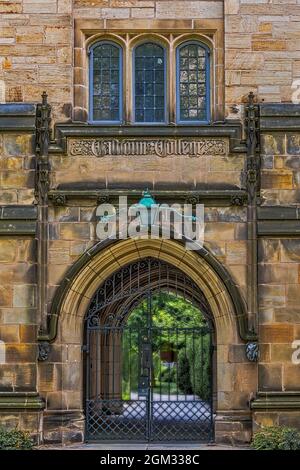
(140, 147)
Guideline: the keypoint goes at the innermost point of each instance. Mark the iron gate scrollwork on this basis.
(148, 372)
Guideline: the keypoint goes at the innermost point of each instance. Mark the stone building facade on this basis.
(54, 172)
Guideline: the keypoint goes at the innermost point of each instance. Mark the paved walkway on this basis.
(143, 446)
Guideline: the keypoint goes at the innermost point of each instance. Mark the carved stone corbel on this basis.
(252, 351)
(239, 200)
(192, 199)
(59, 199)
(43, 351)
(102, 199)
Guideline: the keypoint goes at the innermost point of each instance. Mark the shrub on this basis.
(168, 374)
(276, 438)
(184, 376)
(14, 439)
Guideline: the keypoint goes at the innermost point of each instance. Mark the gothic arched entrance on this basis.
(234, 377)
(149, 345)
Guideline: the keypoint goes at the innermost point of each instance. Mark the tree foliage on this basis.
(172, 322)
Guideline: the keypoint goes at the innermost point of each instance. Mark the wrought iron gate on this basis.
(146, 380)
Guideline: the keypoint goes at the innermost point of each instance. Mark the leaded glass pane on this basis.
(149, 83)
(192, 83)
(106, 82)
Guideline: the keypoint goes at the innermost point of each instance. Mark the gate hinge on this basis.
(85, 348)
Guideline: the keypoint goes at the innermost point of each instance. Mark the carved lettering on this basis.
(157, 147)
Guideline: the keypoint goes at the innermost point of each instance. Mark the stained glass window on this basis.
(106, 76)
(192, 83)
(149, 83)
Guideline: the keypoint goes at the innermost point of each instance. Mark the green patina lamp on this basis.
(148, 202)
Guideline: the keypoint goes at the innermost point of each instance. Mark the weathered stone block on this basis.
(277, 179)
(9, 333)
(278, 273)
(269, 45)
(46, 377)
(281, 352)
(28, 333)
(293, 144)
(291, 377)
(273, 144)
(290, 250)
(26, 376)
(292, 295)
(74, 400)
(262, 419)
(264, 352)
(71, 376)
(290, 419)
(57, 35)
(21, 353)
(24, 296)
(10, 7)
(64, 214)
(8, 250)
(18, 145)
(7, 378)
(189, 9)
(9, 420)
(56, 401)
(69, 231)
(287, 315)
(271, 295)
(18, 315)
(276, 333)
(269, 250)
(270, 377)
(5, 296)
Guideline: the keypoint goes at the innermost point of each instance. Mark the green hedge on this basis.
(14, 439)
(276, 438)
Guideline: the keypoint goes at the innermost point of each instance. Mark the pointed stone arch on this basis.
(98, 263)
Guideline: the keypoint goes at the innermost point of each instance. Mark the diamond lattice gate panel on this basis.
(148, 358)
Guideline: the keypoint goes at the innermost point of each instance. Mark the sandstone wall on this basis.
(18, 316)
(37, 40)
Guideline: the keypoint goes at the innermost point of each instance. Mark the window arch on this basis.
(192, 83)
(149, 83)
(105, 103)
